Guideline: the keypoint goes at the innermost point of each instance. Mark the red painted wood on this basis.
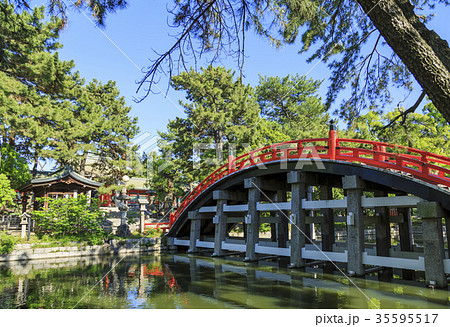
(423, 165)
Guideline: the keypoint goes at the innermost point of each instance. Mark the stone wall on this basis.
(24, 252)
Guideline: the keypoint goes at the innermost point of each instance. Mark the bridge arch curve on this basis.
(233, 194)
(378, 179)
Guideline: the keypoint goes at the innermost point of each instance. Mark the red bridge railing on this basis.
(423, 165)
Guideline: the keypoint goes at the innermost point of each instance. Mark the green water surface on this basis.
(179, 281)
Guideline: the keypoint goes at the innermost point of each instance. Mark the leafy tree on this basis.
(7, 243)
(73, 217)
(221, 116)
(7, 194)
(96, 124)
(428, 131)
(98, 8)
(293, 103)
(28, 51)
(270, 132)
(336, 31)
(33, 81)
(221, 112)
(46, 110)
(13, 166)
(166, 180)
(337, 28)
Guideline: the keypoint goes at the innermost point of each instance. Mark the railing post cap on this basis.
(332, 125)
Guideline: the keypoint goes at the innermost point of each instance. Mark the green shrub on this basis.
(132, 217)
(154, 232)
(71, 217)
(7, 194)
(7, 243)
(264, 228)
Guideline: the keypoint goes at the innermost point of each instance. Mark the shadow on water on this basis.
(182, 281)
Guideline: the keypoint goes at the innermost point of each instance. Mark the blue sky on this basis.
(142, 29)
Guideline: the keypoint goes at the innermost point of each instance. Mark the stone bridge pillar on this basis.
(382, 228)
(297, 180)
(195, 218)
(405, 230)
(433, 243)
(253, 185)
(220, 229)
(383, 235)
(355, 224)
(282, 225)
(406, 240)
(447, 227)
(220, 219)
(327, 222)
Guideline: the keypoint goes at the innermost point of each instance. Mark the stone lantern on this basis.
(123, 230)
(142, 209)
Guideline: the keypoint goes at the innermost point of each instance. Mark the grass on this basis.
(47, 241)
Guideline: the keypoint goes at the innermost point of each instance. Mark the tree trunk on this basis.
(219, 146)
(170, 185)
(426, 55)
(83, 165)
(34, 171)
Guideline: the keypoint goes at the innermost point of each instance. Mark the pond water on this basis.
(180, 281)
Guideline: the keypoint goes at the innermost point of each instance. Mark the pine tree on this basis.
(222, 119)
(46, 110)
(294, 104)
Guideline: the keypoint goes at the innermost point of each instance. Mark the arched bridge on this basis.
(298, 183)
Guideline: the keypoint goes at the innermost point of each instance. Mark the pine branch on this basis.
(404, 114)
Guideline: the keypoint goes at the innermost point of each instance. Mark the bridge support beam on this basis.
(282, 225)
(355, 224)
(433, 243)
(273, 226)
(447, 227)
(252, 219)
(405, 230)
(195, 219)
(220, 222)
(406, 241)
(383, 236)
(382, 228)
(273, 231)
(298, 217)
(327, 223)
(310, 229)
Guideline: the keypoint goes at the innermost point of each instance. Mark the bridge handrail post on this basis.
(383, 149)
(375, 148)
(171, 219)
(332, 137)
(425, 168)
(231, 164)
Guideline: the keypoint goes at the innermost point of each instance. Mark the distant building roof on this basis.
(65, 176)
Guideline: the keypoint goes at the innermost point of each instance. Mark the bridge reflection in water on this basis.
(186, 281)
(270, 284)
